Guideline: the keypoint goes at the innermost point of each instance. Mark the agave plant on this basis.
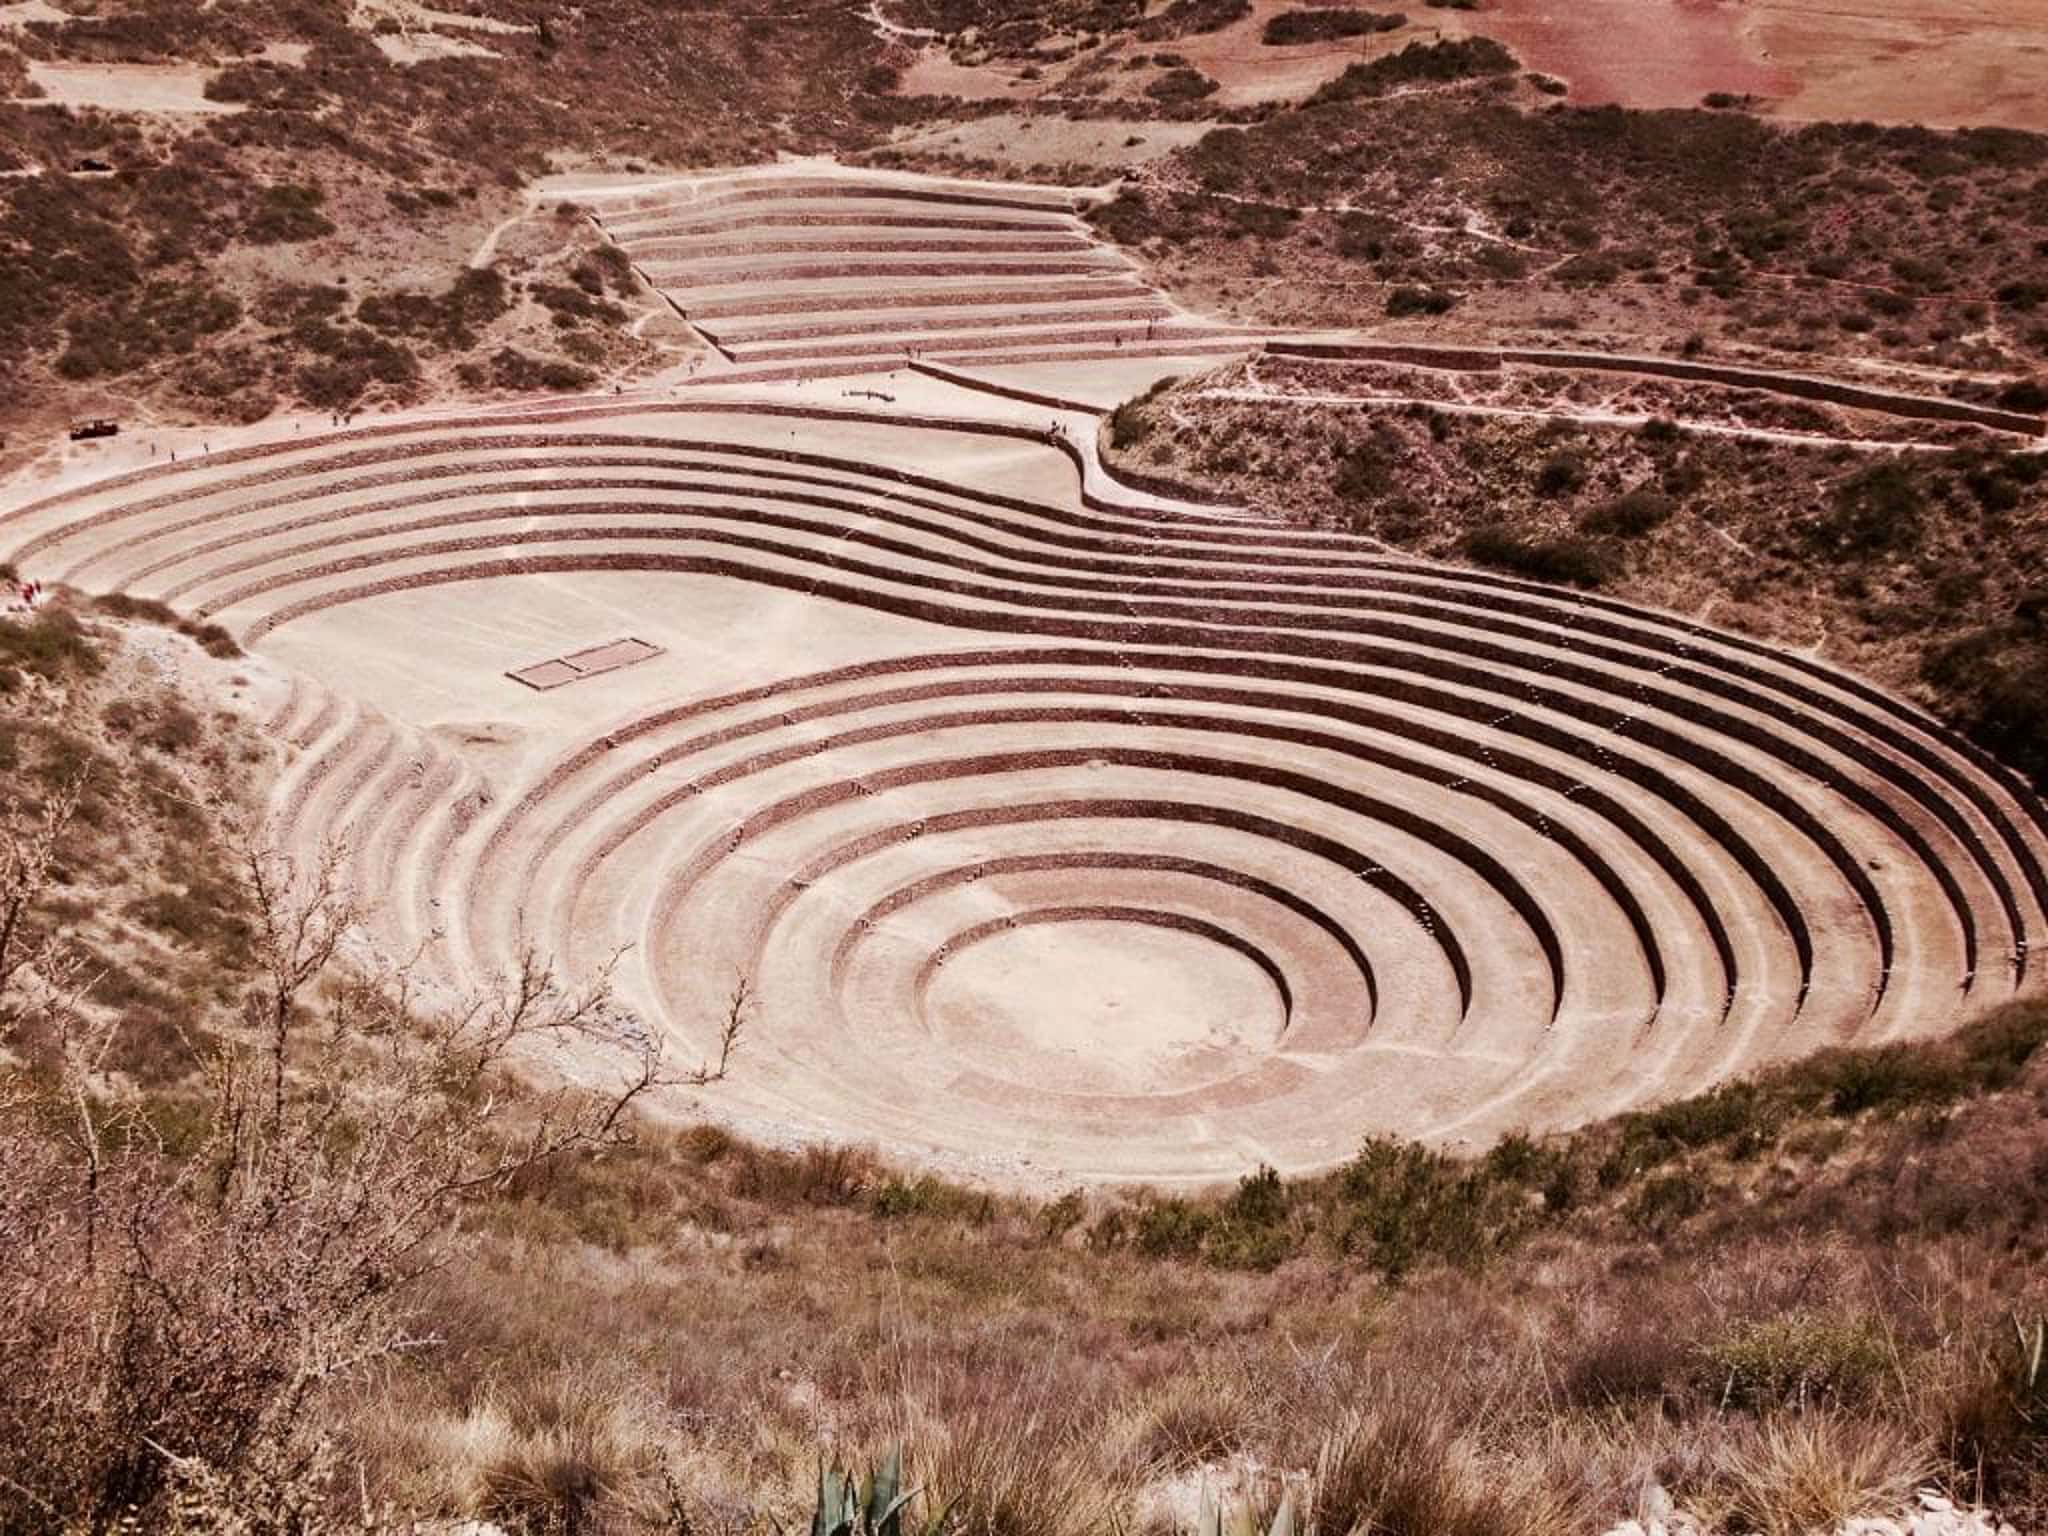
(874, 1506)
(1241, 1521)
(2030, 1370)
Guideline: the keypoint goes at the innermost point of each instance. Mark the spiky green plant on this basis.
(2030, 1371)
(1241, 1521)
(875, 1506)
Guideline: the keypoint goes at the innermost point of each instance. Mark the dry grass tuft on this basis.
(1405, 1468)
(1000, 1475)
(569, 1450)
(1789, 1475)
(1194, 1417)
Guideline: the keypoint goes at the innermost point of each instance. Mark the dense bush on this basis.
(1181, 85)
(1418, 64)
(1129, 425)
(1877, 511)
(1629, 515)
(451, 318)
(211, 638)
(1365, 469)
(164, 319)
(1292, 28)
(1991, 681)
(349, 359)
(1571, 561)
(1409, 300)
(1186, 18)
(2025, 395)
(52, 645)
(573, 302)
(511, 369)
(287, 214)
(1561, 472)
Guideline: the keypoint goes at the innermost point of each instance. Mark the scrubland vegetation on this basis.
(1432, 169)
(1034, 29)
(365, 179)
(1923, 570)
(1292, 28)
(295, 1251)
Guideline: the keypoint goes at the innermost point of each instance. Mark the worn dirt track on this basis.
(1066, 829)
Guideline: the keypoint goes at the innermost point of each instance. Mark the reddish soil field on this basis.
(1638, 53)
(1944, 63)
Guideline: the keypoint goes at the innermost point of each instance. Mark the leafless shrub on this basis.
(168, 1320)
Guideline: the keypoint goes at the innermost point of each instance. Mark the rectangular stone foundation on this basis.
(589, 662)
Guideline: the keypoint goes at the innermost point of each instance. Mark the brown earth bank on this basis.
(1920, 569)
(290, 1253)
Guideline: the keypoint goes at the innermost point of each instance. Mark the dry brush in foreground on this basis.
(346, 1273)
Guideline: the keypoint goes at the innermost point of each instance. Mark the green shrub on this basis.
(1365, 472)
(1887, 1078)
(287, 214)
(162, 319)
(1990, 683)
(1294, 28)
(1569, 561)
(2025, 395)
(1171, 1228)
(206, 913)
(1630, 515)
(1409, 300)
(1184, 18)
(1400, 1204)
(1667, 1201)
(1996, 1048)
(924, 1195)
(511, 369)
(1418, 64)
(1799, 1359)
(1559, 473)
(52, 645)
(1590, 269)
(1877, 511)
(1129, 425)
(452, 317)
(570, 302)
(1181, 85)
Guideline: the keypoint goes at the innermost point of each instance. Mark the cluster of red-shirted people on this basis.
(28, 593)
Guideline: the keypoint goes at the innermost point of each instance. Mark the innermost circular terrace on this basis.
(1112, 1004)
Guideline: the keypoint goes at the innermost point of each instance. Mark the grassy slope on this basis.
(1544, 1331)
(147, 887)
